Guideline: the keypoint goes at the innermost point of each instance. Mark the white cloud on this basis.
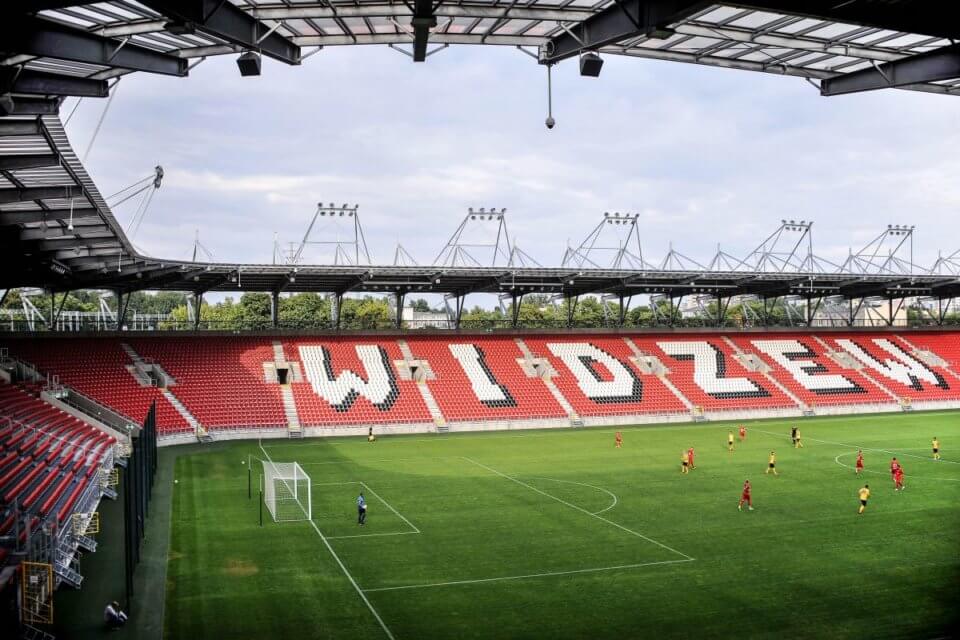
(705, 156)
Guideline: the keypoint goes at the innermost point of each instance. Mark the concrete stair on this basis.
(294, 429)
(278, 354)
(183, 411)
(548, 383)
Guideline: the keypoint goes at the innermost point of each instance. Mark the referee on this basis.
(361, 509)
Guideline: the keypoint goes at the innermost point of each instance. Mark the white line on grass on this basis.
(343, 568)
(856, 446)
(374, 535)
(881, 473)
(363, 461)
(573, 506)
(584, 484)
(387, 504)
(530, 575)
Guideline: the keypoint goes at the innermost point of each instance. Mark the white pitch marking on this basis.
(343, 568)
(881, 473)
(363, 461)
(530, 575)
(584, 484)
(374, 535)
(573, 506)
(397, 513)
(856, 446)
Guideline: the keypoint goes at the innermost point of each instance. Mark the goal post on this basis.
(287, 492)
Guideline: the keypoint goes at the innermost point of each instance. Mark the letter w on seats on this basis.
(341, 391)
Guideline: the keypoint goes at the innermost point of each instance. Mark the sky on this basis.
(705, 156)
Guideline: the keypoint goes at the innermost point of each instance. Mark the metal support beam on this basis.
(84, 214)
(37, 193)
(275, 308)
(336, 309)
(123, 301)
(47, 39)
(229, 22)
(18, 80)
(19, 128)
(28, 106)
(27, 161)
(621, 20)
(931, 66)
(56, 315)
(423, 20)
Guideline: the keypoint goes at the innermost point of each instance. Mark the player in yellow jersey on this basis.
(730, 441)
(864, 494)
(685, 462)
(936, 448)
(797, 442)
(772, 464)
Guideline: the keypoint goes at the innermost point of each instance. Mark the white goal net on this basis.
(286, 491)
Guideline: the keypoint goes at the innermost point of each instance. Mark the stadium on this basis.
(325, 444)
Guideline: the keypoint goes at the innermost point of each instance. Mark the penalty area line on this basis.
(580, 509)
(343, 568)
(526, 576)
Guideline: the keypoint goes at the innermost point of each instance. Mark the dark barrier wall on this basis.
(137, 488)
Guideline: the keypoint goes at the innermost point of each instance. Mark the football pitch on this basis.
(557, 534)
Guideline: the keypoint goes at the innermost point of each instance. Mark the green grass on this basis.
(477, 509)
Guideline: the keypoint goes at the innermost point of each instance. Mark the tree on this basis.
(420, 305)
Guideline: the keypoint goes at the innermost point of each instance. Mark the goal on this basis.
(286, 491)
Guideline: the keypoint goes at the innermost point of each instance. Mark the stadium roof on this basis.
(57, 232)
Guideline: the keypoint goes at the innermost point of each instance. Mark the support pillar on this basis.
(400, 295)
(571, 309)
(336, 307)
(622, 312)
(275, 308)
(198, 304)
(515, 309)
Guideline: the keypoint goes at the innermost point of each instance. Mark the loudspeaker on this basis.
(249, 64)
(590, 64)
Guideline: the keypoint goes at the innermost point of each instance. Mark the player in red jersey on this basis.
(743, 433)
(859, 461)
(745, 497)
(690, 453)
(619, 440)
(894, 469)
(898, 479)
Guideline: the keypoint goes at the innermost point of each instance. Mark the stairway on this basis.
(673, 389)
(548, 383)
(294, 429)
(278, 355)
(861, 370)
(189, 417)
(807, 411)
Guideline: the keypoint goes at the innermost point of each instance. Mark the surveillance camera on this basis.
(551, 123)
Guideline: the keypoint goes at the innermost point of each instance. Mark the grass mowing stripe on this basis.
(573, 506)
(856, 446)
(343, 568)
(529, 575)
